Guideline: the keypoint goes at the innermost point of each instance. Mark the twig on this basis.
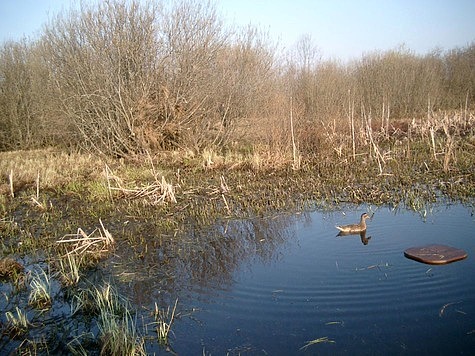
(431, 130)
(320, 340)
(296, 161)
(10, 179)
(442, 310)
(38, 204)
(38, 186)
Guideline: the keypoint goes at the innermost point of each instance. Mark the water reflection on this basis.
(362, 234)
(201, 260)
(291, 276)
(388, 304)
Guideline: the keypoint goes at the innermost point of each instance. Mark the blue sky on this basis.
(343, 29)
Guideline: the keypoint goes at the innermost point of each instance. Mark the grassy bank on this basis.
(65, 216)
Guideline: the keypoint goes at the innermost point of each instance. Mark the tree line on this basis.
(126, 77)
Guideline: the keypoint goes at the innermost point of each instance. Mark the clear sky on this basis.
(342, 29)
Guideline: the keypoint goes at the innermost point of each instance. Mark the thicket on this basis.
(127, 77)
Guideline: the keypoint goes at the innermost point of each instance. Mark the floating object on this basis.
(435, 254)
(355, 227)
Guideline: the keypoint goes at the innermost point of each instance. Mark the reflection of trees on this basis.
(202, 260)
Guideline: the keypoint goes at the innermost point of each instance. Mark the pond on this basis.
(281, 285)
(293, 281)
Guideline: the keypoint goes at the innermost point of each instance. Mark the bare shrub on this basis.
(124, 77)
(102, 60)
(24, 97)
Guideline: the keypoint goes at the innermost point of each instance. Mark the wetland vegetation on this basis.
(119, 142)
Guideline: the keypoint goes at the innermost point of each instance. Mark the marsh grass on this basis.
(51, 167)
(76, 345)
(37, 346)
(117, 325)
(119, 336)
(82, 250)
(150, 201)
(157, 192)
(118, 329)
(17, 323)
(69, 269)
(40, 291)
(164, 319)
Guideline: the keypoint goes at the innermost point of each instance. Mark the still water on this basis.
(293, 281)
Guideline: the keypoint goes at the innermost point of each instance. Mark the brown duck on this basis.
(355, 228)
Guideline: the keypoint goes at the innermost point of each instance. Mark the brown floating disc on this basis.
(435, 254)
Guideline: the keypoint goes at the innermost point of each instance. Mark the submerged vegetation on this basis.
(118, 140)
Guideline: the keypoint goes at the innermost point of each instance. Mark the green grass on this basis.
(69, 269)
(118, 329)
(40, 291)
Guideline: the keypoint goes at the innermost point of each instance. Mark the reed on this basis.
(10, 181)
(296, 157)
(95, 244)
(156, 193)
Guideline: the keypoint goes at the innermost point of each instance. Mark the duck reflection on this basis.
(364, 239)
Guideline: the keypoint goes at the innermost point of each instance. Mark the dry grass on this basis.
(70, 269)
(320, 340)
(96, 244)
(46, 168)
(80, 250)
(157, 192)
(432, 148)
(17, 324)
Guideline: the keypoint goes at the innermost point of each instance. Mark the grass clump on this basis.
(40, 294)
(117, 326)
(17, 324)
(118, 331)
(164, 319)
(70, 269)
(97, 243)
(81, 250)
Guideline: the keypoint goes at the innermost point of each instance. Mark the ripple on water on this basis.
(368, 297)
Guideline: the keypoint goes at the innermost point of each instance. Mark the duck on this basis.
(355, 228)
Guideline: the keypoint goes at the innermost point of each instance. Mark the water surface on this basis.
(274, 284)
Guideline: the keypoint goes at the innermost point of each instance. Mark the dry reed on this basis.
(81, 243)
